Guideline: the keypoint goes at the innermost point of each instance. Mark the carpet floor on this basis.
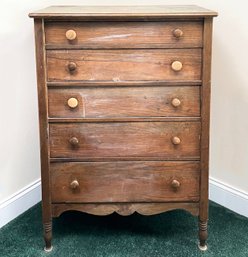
(172, 234)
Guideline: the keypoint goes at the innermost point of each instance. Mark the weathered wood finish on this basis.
(126, 139)
(123, 65)
(123, 35)
(119, 102)
(124, 110)
(124, 182)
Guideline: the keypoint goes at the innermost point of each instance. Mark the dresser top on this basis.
(166, 11)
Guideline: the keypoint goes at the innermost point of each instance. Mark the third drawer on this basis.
(101, 102)
(164, 140)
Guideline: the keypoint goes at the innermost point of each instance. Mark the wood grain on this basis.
(107, 102)
(126, 139)
(125, 182)
(123, 65)
(123, 35)
(124, 209)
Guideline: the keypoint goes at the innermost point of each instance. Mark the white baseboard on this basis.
(20, 202)
(220, 193)
(228, 196)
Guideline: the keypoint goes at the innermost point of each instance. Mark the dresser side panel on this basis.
(205, 114)
(43, 120)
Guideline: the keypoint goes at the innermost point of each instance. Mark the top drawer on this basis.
(123, 34)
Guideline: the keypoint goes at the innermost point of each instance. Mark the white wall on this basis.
(19, 152)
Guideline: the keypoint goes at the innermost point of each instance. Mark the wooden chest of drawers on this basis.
(124, 97)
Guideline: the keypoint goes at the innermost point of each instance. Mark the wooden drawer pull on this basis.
(176, 140)
(72, 102)
(72, 66)
(176, 66)
(175, 184)
(74, 141)
(175, 102)
(177, 33)
(71, 34)
(74, 184)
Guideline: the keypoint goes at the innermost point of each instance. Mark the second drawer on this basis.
(167, 140)
(124, 65)
(101, 102)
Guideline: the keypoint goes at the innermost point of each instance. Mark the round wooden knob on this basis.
(72, 102)
(74, 141)
(175, 102)
(175, 184)
(176, 66)
(176, 140)
(177, 33)
(74, 184)
(71, 34)
(72, 66)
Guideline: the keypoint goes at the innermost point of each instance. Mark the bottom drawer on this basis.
(149, 181)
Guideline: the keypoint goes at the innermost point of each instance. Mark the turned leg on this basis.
(203, 234)
(48, 236)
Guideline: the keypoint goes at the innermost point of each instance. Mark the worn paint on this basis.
(110, 37)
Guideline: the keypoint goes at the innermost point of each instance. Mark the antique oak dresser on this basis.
(124, 96)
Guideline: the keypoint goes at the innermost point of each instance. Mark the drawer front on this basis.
(108, 102)
(124, 34)
(124, 65)
(125, 181)
(125, 139)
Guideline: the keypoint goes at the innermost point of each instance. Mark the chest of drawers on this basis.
(124, 95)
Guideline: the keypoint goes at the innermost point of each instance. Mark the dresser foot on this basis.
(202, 247)
(48, 236)
(203, 234)
(47, 250)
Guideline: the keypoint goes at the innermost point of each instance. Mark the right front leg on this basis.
(48, 236)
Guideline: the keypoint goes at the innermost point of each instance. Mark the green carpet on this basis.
(172, 234)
